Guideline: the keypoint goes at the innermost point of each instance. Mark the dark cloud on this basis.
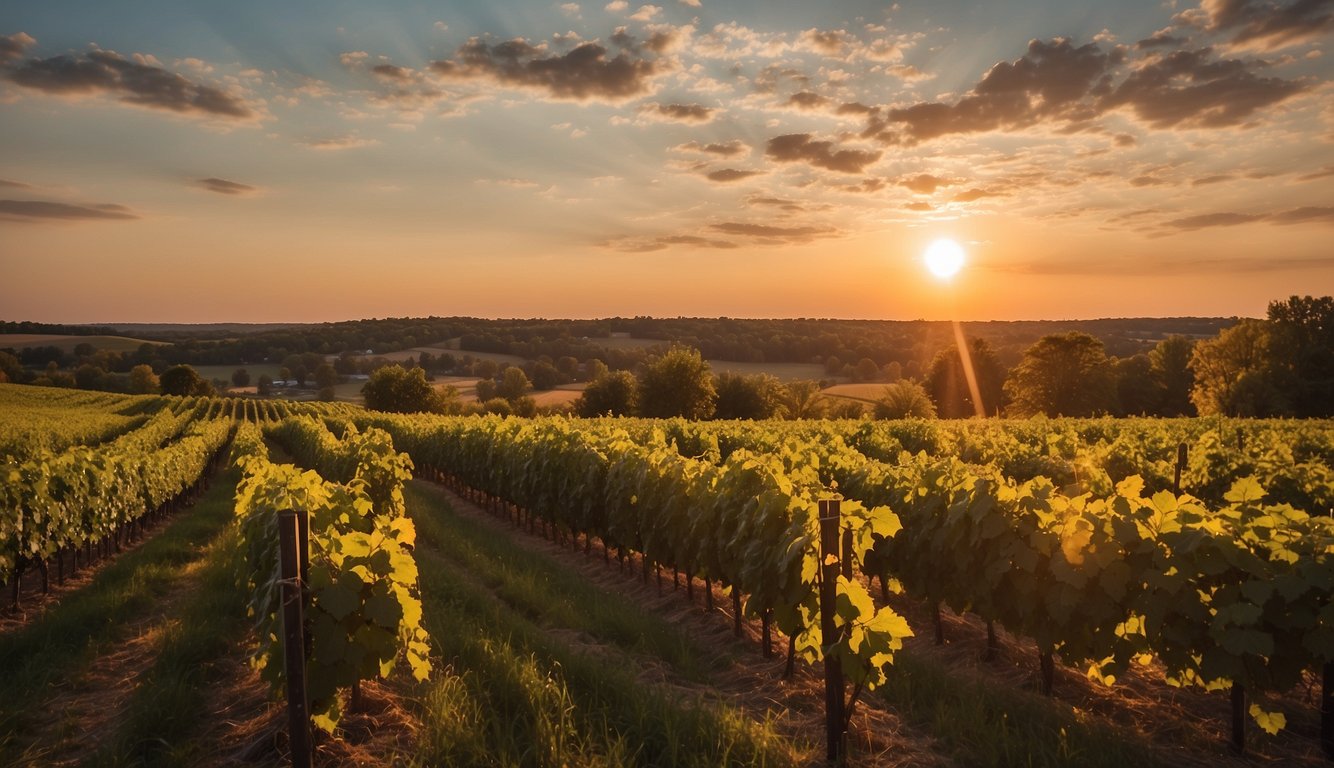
(44, 210)
(1147, 180)
(1305, 214)
(392, 72)
(783, 204)
(855, 108)
(680, 113)
(726, 175)
(13, 46)
(807, 100)
(1059, 83)
(225, 187)
(585, 73)
(1217, 179)
(726, 149)
(695, 240)
(1163, 38)
(1263, 24)
(865, 186)
(1124, 140)
(925, 183)
(1207, 220)
(1192, 89)
(768, 232)
(919, 207)
(799, 147)
(136, 81)
(14, 184)
(1053, 81)
(663, 242)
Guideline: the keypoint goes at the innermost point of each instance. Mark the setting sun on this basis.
(944, 258)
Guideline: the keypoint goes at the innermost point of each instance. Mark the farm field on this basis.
(67, 343)
(592, 624)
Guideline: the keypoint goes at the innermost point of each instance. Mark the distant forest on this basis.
(831, 343)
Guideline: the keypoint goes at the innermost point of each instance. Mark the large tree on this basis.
(1303, 327)
(904, 399)
(614, 393)
(748, 397)
(1169, 361)
(1064, 374)
(183, 380)
(947, 382)
(1235, 373)
(803, 400)
(677, 384)
(395, 389)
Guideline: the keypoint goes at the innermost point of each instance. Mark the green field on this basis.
(19, 341)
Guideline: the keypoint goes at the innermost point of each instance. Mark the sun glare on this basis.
(944, 258)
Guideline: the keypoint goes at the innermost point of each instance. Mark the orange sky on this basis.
(339, 161)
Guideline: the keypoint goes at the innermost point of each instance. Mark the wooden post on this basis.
(833, 672)
(294, 644)
(1327, 710)
(1238, 717)
(1181, 464)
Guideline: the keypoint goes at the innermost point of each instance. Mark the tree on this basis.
(514, 384)
(677, 384)
(13, 369)
(1169, 362)
(747, 397)
(265, 384)
(1304, 332)
(803, 400)
(397, 390)
(1235, 375)
(844, 408)
(615, 393)
(328, 394)
(866, 370)
(594, 369)
(240, 378)
(486, 390)
(904, 399)
(182, 380)
(1064, 374)
(545, 376)
(1137, 391)
(947, 382)
(326, 376)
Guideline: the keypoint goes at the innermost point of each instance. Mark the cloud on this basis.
(1050, 82)
(339, 142)
(1191, 89)
(976, 193)
(1163, 38)
(1320, 174)
(585, 73)
(662, 242)
(1303, 215)
(799, 147)
(924, 184)
(392, 72)
(678, 113)
(225, 187)
(14, 184)
(1263, 24)
(646, 12)
(1058, 82)
(44, 210)
(768, 232)
(731, 148)
(691, 3)
(828, 42)
(726, 175)
(616, 6)
(571, 9)
(1216, 179)
(13, 46)
(807, 100)
(141, 82)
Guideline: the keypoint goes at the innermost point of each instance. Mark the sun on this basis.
(944, 258)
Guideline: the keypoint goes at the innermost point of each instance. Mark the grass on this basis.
(517, 694)
(42, 657)
(169, 704)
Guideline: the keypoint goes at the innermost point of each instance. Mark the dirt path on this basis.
(751, 683)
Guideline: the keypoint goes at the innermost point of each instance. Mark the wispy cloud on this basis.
(225, 187)
(140, 80)
(679, 113)
(46, 210)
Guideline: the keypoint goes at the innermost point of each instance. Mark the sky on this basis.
(321, 160)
